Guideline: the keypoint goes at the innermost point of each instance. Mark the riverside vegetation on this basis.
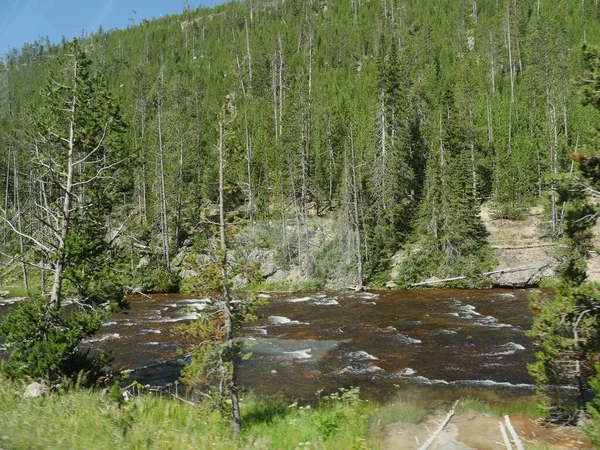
(122, 150)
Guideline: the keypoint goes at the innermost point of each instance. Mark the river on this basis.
(446, 342)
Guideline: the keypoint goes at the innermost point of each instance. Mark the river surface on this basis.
(449, 341)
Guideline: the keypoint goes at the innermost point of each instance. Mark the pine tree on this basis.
(568, 325)
(452, 235)
(77, 155)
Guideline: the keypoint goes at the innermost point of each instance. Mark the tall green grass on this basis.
(529, 407)
(20, 291)
(92, 419)
(85, 419)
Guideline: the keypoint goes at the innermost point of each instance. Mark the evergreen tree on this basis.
(76, 156)
(568, 325)
(452, 239)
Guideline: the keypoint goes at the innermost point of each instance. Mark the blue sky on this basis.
(25, 20)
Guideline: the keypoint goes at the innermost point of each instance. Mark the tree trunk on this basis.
(281, 91)
(249, 170)
(229, 330)
(59, 265)
(17, 201)
(331, 163)
(163, 193)
(248, 54)
(355, 200)
(274, 87)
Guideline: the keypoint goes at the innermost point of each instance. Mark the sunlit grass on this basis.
(281, 287)
(90, 419)
(402, 411)
(530, 408)
(19, 291)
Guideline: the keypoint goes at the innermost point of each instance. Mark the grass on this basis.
(281, 287)
(528, 408)
(404, 411)
(85, 419)
(549, 283)
(92, 419)
(19, 291)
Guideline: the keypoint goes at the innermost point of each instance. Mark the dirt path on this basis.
(481, 432)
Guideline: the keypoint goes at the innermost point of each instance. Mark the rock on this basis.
(397, 260)
(265, 260)
(4, 294)
(295, 275)
(187, 273)
(534, 264)
(269, 269)
(179, 258)
(277, 277)
(239, 282)
(144, 262)
(35, 389)
(391, 284)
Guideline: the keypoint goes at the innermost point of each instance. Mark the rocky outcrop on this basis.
(518, 269)
(524, 256)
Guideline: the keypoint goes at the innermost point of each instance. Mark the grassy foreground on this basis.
(92, 419)
(86, 419)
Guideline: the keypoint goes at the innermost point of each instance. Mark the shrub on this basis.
(42, 341)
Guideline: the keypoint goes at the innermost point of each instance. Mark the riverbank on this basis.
(95, 419)
(264, 259)
(525, 256)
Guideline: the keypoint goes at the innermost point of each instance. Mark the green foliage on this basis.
(568, 326)
(451, 240)
(282, 286)
(592, 426)
(509, 212)
(92, 419)
(154, 278)
(74, 147)
(42, 342)
(209, 369)
(300, 85)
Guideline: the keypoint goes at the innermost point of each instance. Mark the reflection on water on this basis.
(446, 339)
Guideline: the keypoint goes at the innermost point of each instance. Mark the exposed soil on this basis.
(503, 232)
(593, 264)
(521, 248)
(482, 432)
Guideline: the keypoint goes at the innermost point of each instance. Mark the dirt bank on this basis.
(482, 432)
(525, 256)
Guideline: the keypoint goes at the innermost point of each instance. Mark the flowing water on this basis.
(447, 341)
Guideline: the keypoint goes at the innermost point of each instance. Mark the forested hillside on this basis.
(391, 119)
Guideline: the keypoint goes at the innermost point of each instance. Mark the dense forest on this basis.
(204, 150)
(392, 120)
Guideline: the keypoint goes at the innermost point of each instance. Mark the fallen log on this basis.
(493, 272)
(424, 283)
(513, 434)
(523, 247)
(505, 436)
(434, 436)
